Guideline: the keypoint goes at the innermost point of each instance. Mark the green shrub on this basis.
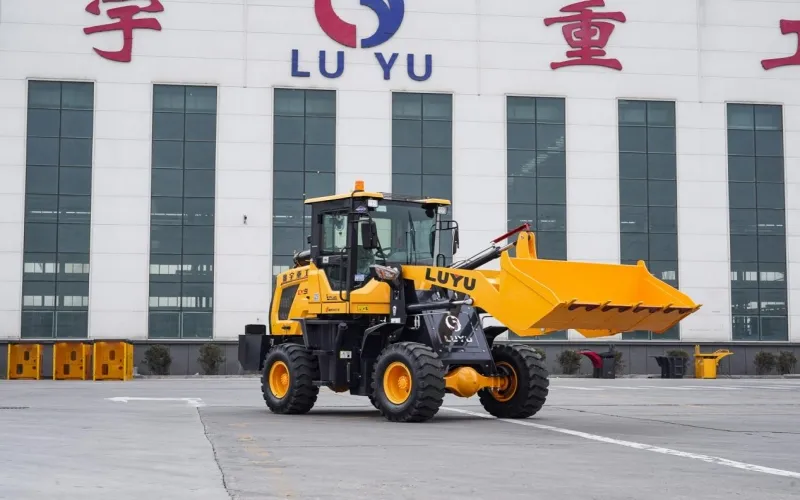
(786, 362)
(619, 365)
(765, 362)
(570, 361)
(678, 353)
(211, 358)
(158, 359)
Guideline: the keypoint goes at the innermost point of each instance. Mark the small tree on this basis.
(211, 358)
(619, 365)
(786, 362)
(158, 359)
(570, 361)
(765, 362)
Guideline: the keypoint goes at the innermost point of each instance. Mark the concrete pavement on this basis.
(215, 439)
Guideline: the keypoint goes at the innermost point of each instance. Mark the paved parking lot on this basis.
(215, 439)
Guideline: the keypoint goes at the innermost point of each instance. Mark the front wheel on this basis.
(528, 385)
(287, 381)
(408, 382)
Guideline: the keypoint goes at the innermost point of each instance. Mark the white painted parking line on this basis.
(630, 388)
(624, 388)
(744, 387)
(703, 387)
(690, 388)
(577, 388)
(639, 446)
(189, 401)
(767, 387)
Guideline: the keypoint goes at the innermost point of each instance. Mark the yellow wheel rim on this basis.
(397, 383)
(506, 393)
(279, 379)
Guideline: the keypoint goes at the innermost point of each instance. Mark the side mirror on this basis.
(456, 241)
(369, 235)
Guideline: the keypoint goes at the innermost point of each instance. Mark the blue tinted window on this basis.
(58, 188)
(648, 193)
(182, 213)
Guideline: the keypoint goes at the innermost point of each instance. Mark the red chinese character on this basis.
(787, 27)
(126, 23)
(586, 34)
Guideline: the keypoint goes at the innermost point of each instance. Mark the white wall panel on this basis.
(122, 154)
(372, 160)
(130, 323)
(121, 210)
(120, 237)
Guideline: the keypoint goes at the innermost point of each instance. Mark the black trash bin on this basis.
(671, 366)
(608, 368)
(678, 366)
(603, 363)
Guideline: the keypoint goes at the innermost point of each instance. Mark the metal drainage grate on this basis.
(14, 407)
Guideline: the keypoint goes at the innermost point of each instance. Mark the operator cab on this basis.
(352, 231)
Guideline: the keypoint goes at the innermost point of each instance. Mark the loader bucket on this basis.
(594, 298)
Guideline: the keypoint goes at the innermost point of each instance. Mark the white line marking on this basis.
(576, 388)
(766, 387)
(640, 446)
(623, 387)
(195, 402)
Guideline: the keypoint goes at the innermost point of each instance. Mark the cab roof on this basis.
(358, 192)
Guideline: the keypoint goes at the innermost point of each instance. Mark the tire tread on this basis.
(430, 381)
(304, 369)
(535, 390)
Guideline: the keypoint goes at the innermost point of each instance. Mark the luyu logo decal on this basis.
(390, 17)
(390, 14)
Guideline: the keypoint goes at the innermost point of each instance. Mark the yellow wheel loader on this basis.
(373, 309)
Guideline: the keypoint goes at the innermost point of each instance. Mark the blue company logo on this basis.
(390, 15)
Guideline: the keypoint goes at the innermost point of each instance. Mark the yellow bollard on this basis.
(24, 362)
(72, 361)
(112, 361)
(705, 364)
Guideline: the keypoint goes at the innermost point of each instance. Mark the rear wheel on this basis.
(287, 382)
(527, 387)
(408, 383)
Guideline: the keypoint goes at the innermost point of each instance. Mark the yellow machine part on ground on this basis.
(534, 297)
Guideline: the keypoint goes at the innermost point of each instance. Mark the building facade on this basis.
(154, 154)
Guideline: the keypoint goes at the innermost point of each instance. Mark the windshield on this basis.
(404, 232)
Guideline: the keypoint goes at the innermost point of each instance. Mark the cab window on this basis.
(334, 233)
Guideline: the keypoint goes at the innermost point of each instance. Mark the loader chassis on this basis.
(372, 308)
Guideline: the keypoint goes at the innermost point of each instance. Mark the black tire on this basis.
(531, 383)
(427, 382)
(303, 369)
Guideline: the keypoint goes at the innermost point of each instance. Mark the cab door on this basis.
(334, 253)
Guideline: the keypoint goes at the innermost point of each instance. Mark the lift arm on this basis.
(533, 296)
